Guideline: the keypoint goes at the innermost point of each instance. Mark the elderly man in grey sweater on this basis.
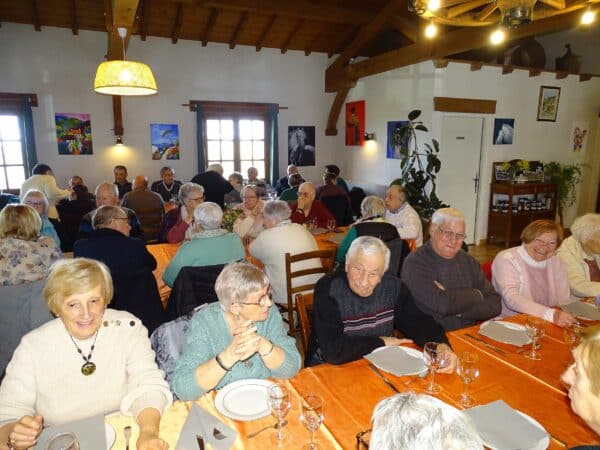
(445, 281)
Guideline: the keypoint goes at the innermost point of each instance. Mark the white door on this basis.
(458, 179)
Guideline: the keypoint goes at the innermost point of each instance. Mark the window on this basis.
(12, 164)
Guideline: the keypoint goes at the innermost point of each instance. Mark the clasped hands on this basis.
(245, 343)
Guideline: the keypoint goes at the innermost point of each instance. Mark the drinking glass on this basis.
(535, 329)
(312, 417)
(312, 225)
(63, 441)
(435, 356)
(331, 224)
(571, 335)
(280, 402)
(468, 371)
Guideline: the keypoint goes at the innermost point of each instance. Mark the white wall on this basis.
(60, 68)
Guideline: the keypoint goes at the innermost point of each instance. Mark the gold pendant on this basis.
(88, 368)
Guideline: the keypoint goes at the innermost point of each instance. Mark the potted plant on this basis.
(566, 177)
(419, 167)
(515, 168)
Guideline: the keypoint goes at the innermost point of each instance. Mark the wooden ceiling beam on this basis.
(303, 9)
(35, 16)
(178, 24)
(288, 40)
(142, 16)
(265, 32)
(238, 28)
(74, 23)
(485, 12)
(451, 43)
(368, 32)
(557, 4)
(407, 27)
(311, 45)
(214, 13)
(465, 7)
(334, 112)
(344, 43)
(122, 14)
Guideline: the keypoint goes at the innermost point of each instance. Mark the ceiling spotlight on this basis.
(119, 140)
(431, 30)
(433, 5)
(588, 17)
(498, 36)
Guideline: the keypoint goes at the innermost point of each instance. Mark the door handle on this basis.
(476, 181)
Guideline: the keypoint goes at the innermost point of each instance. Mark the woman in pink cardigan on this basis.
(531, 279)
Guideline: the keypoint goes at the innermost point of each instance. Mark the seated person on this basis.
(121, 182)
(178, 220)
(130, 265)
(291, 194)
(330, 189)
(582, 377)
(335, 170)
(356, 310)
(403, 216)
(167, 187)
(445, 281)
(42, 179)
(371, 223)
(210, 244)
(308, 209)
(253, 179)
(71, 212)
(72, 367)
(250, 222)
(37, 200)
(580, 254)
(242, 336)
(237, 181)
(107, 193)
(148, 206)
(418, 421)
(283, 182)
(281, 236)
(24, 256)
(530, 278)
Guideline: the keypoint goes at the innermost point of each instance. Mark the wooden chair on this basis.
(327, 261)
(304, 306)
(150, 220)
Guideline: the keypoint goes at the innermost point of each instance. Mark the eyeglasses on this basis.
(546, 243)
(261, 302)
(451, 235)
(35, 203)
(303, 194)
(196, 199)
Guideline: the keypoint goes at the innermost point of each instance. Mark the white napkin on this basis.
(582, 309)
(397, 361)
(502, 427)
(90, 433)
(202, 423)
(502, 333)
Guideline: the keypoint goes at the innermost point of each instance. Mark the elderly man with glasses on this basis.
(445, 281)
(308, 209)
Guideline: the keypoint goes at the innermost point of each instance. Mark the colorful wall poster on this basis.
(164, 141)
(73, 134)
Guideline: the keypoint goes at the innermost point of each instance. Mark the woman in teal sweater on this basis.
(240, 337)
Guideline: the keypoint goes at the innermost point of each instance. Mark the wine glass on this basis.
(535, 329)
(435, 357)
(331, 224)
(468, 370)
(312, 225)
(63, 441)
(280, 402)
(571, 335)
(312, 417)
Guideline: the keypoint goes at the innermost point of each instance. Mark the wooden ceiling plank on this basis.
(74, 23)
(334, 112)
(368, 32)
(178, 24)
(407, 27)
(265, 32)
(143, 19)
(311, 45)
(108, 21)
(465, 7)
(35, 16)
(214, 14)
(485, 12)
(557, 4)
(451, 43)
(344, 43)
(288, 40)
(122, 13)
(448, 3)
(238, 28)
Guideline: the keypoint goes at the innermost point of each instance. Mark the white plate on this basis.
(412, 352)
(110, 436)
(541, 445)
(509, 325)
(244, 400)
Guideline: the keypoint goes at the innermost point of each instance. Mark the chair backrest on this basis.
(193, 286)
(150, 220)
(388, 233)
(304, 306)
(339, 207)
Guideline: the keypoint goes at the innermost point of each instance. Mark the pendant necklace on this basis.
(88, 366)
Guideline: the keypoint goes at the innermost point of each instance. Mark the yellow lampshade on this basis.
(120, 77)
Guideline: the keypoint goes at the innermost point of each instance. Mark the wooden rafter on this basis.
(35, 16)
(108, 20)
(290, 36)
(408, 27)
(453, 42)
(265, 32)
(311, 45)
(334, 112)
(178, 24)
(74, 23)
(467, 6)
(212, 18)
(142, 16)
(368, 31)
(343, 43)
(485, 12)
(558, 4)
(238, 28)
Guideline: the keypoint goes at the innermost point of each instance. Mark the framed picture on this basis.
(395, 140)
(355, 123)
(301, 145)
(164, 141)
(504, 130)
(548, 103)
(73, 133)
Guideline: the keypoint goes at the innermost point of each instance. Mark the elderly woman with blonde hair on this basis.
(76, 366)
(24, 256)
(581, 254)
(239, 337)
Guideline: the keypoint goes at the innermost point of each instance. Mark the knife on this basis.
(487, 344)
(382, 376)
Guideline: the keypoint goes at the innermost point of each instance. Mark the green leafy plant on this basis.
(419, 167)
(515, 167)
(566, 177)
(229, 218)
